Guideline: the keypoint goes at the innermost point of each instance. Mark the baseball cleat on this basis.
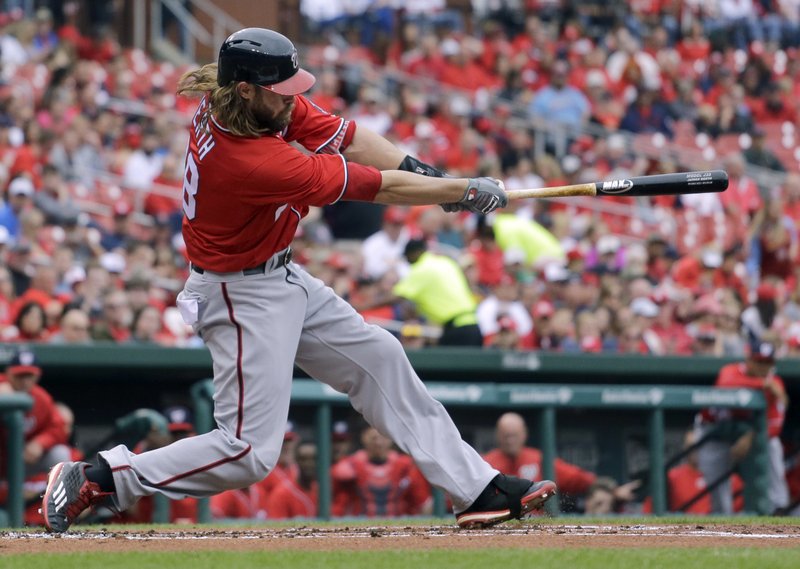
(67, 495)
(505, 498)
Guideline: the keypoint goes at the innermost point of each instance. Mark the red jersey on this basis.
(570, 479)
(685, 482)
(279, 475)
(290, 500)
(243, 197)
(250, 503)
(392, 488)
(734, 376)
(42, 423)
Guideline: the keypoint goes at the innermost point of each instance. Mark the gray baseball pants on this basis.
(256, 327)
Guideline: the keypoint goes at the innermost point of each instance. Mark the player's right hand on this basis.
(483, 195)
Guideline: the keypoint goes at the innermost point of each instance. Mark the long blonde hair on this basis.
(223, 102)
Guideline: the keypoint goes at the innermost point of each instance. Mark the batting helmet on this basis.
(265, 58)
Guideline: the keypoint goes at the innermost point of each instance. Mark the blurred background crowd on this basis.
(536, 93)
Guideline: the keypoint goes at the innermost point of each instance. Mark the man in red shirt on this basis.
(512, 457)
(245, 190)
(720, 453)
(286, 469)
(297, 498)
(378, 481)
(45, 434)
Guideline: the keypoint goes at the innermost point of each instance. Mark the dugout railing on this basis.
(654, 400)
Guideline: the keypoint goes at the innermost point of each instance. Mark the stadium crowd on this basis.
(532, 92)
(92, 169)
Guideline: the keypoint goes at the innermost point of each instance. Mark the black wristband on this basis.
(411, 164)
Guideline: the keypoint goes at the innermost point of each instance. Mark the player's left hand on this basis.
(484, 195)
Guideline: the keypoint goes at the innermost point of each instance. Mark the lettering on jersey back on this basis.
(202, 133)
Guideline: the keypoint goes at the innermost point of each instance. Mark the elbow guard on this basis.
(411, 164)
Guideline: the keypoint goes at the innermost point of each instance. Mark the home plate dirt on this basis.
(308, 537)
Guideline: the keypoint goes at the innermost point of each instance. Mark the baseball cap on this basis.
(179, 418)
(20, 186)
(766, 291)
(712, 259)
(289, 433)
(608, 244)
(23, 361)
(394, 214)
(122, 209)
(340, 431)
(643, 306)
(505, 322)
(543, 309)
(762, 352)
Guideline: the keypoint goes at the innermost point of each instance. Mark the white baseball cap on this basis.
(21, 186)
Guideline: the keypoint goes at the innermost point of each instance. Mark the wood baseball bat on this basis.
(656, 185)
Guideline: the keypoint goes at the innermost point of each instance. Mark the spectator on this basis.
(144, 164)
(378, 481)
(30, 325)
(114, 322)
(647, 114)
(383, 251)
(120, 235)
(600, 499)
(45, 435)
(777, 242)
(73, 328)
(146, 328)
(759, 317)
(249, 503)
(297, 498)
(286, 468)
(20, 197)
(438, 289)
(179, 425)
(759, 154)
(560, 104)
(513, 457)
(719, 455)
(503, 311)
(341, 441)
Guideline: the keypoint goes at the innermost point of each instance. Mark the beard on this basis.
(271, 122)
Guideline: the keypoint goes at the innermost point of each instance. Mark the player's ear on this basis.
(246, 91)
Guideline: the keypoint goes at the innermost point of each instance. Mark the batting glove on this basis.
(483, 195)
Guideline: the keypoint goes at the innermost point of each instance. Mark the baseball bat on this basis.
(656, 185)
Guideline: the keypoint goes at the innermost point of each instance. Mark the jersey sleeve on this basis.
(317, 130)
(51, 430)
(572, 479)
(289, 176)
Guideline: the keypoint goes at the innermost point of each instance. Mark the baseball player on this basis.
(512, 456)
(377, 481)
(246, 187)
(732, 436)
(297, 498)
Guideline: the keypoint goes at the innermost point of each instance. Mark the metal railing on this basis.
(547, 399)
(12, 411)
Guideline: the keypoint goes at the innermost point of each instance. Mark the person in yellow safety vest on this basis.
(439, 291)
(539, 245)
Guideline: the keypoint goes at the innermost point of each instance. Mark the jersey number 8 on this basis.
(190, 182)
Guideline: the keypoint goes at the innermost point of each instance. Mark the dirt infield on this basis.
(524, 535)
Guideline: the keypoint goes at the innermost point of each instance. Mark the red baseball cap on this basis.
(394, 215)
(543, 308)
